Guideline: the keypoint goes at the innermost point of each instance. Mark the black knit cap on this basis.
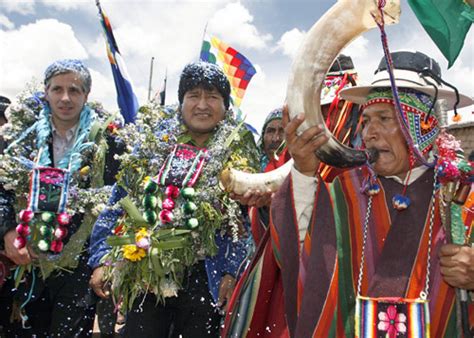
(207, 75)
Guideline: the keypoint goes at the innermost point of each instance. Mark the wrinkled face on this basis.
(202, 110)
(273, 136)
(381, 130)
(66, 98)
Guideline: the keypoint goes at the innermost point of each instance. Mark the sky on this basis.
(34, 33)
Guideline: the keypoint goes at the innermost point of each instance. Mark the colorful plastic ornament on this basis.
(168, 204)
(64, 218)
(166, 216)
(151, 187)
(150, 202)
(47, 217)
(45, 230)
(172, 191)
(19, 242)
(60, 232)
(188, 193)
(189, 207)
(56, 246)
(192, 223)
(43, 245)
(23, 229)
(26, 215)
(150, 216)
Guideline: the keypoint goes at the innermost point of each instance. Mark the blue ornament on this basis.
(400, 202)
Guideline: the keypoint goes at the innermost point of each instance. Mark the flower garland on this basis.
(84, 189)
(180, 203)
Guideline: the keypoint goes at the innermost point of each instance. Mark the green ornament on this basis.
(47, 217)
(188, 193)
(45, 230)
(150, 216)
(189, 207)
(149, 201)
(151, 187)
(192, 223)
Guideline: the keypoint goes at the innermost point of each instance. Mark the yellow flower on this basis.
(143, 232)
(165, 138)
(133, 253)
(145, 180)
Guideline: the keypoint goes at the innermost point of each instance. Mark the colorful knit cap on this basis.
(416, 106)
(67, 66)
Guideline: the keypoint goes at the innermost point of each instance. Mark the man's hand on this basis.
(302, 147)
(457, 265)
(225, 292)
(18, 256)
(97, 283)
(254, 198)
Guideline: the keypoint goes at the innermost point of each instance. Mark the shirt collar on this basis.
(69, 133)
(410, 178)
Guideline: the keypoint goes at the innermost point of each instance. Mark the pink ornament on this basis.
(23, 229)
(168, 203)
(60, 232)
(172, 191)
(26, 215)
(166, 216)
(19, 242)
(64, 218)
(56, 246)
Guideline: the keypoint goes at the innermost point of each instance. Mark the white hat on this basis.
(413, 70)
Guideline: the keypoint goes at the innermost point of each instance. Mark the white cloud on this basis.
(23, 7)
(233, 24)
(290, 41)
(5, 22)
(52, 40)
(66, 5)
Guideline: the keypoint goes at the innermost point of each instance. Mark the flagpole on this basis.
(203, 37)
(151, 76)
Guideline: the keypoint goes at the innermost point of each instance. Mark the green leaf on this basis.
(119, 241)
(171, 244)
(132, 211)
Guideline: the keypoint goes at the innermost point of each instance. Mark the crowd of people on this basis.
(132, 219)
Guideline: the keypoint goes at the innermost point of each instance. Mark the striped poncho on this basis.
(311, 291)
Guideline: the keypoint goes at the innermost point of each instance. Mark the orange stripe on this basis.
(327, 314)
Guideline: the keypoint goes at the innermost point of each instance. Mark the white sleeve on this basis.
(304, 188)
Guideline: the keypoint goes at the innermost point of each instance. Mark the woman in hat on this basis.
(375, 260)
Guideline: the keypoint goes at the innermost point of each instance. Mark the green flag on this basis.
(446, 22)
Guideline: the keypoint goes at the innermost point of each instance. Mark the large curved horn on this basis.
(345, 21)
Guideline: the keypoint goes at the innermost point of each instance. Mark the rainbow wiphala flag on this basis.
(238, 69)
